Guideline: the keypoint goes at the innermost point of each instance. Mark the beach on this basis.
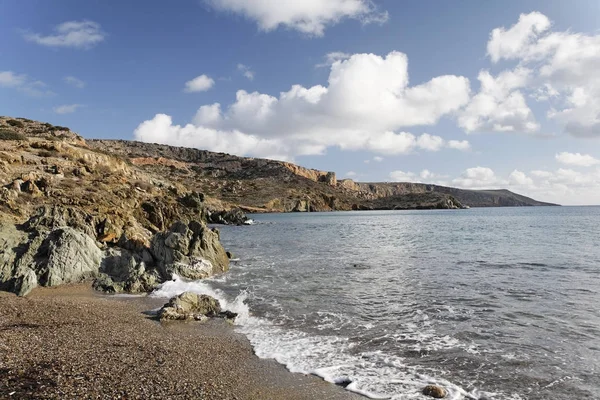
(71, 342)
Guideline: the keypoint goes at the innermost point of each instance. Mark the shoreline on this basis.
(73, 342)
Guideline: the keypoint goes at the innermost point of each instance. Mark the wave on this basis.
(373, 374)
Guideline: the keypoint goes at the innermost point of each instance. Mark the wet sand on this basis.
(70, 342)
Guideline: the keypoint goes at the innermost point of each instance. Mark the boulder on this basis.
(67, 256)
(125, 271)
(437, 392)
(189, 306)
(227, 217)
(192, 251)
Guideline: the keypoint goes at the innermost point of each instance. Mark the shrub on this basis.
(14, 122)
(59, 128)
(7, 134)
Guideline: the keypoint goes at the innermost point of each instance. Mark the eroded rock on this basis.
(437, 392)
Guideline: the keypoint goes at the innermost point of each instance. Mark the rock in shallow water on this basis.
(193, 306)
(437, 392)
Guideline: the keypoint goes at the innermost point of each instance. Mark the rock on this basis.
(188, 306)
(67, 256)
(229, 254)
(192, 251)
(302, 206)
(231, 217)
(437, 392)
(25, 283)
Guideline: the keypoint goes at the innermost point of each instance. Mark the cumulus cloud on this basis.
(378, 159)
(160, 129)
(563, 66)
(500, 106)
(246, 71)
(519, 178)
(77, 34)
(462, 145)
(511, 43)
(365, 106)
(577, 159)
(310, 17)
(75, 82)
(200, 83)
(430, 142)
(479, 178)
(67, 108)
(401, 176)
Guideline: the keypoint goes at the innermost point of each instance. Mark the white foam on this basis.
(375, 374)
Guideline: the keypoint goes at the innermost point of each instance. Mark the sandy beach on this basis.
(70, 342)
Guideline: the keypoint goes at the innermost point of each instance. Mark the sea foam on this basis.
(374, 374)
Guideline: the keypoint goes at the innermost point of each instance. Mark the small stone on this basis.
(437, 392)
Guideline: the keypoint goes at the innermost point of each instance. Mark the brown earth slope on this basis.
(144, 187)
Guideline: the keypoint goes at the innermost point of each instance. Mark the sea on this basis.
(490, 303)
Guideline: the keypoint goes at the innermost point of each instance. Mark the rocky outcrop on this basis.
(45, 257)
(227, 217)
(192, 251)
(192, 306)
(57, 246)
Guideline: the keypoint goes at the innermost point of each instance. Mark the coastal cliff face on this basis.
(69, 212)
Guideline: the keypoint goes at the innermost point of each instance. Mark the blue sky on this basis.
(125, 70)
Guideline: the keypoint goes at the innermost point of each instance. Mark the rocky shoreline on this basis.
(70, 342)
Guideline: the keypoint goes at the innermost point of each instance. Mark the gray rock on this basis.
(189, 306)
(25, 283)
(192, 251)
(67, 256)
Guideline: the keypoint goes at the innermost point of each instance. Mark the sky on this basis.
(472, 94)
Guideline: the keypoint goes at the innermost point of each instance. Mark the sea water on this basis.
(498, 303)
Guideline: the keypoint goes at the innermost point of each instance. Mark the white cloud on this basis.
(430, 143)
(10, 79)
(75, 82)
(378, 159)
(510, 43)
(310, 17)
(200, 83)
(160, 129)
(76, 34)
(462, 145)
(351, 174)
(499, 106)
(333, 57)
(246, 71)
(23, 83)
(67, 108)
(564, 68)
(519, 178)
(577, 159)
(478, 178)
(365, 105)
(401, 176)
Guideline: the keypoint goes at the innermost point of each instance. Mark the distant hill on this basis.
(144, 183)
(268, 185)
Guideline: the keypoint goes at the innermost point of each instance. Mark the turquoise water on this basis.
(499, 303)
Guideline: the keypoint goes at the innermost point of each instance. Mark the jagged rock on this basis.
(25, 283)
(192, 251)
(437, 392)
(227, 217)
(188, 306)
(122, 270)
(66, 256)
